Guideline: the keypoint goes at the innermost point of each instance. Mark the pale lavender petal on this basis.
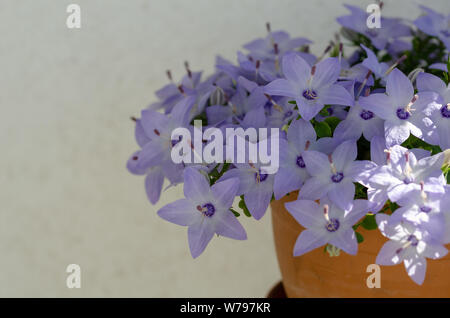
(307, 241)
(388, 254)
(378, 198)
(401, 190)
(359, 171)
(133, 166)
(225, 191)
(258, 199)
(342, 194)
(196, 187)
(316, 162)
(443, 130)
(286, 181)
(344, 154)
(327, 72)
(308, 109)
(153, 184)
(336, 95)
(434, 251)
(296, 69)
(430, 82)
(301, 130)
(346, 241)
(314, 188)
(360, 208)
(180, 212)
(416, 268)
(199, 236)
(399, 88)
(281, 87)
(228, 225)
(377, 148)
(379, 104)
(375, 127)
(396, 133)
(305, 212)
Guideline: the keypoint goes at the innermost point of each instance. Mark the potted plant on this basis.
(351, 147)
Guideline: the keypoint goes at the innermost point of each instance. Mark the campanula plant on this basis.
(361, 132)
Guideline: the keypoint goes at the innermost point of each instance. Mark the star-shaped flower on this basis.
(326, 223)
(407, 244)
(333, 175)
(205, 211)
(311, 87)
(399, 107)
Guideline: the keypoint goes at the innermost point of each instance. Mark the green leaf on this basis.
(244, 208)
(322, 130)
(369, 222)
(359, 237)
(293, 102)
(332, 122)
(236, 214)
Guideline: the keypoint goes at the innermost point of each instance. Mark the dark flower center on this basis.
(446, 33)
(309, 94)
(332, 225)
(174, 141)
(260, 177)
(337, 177)
(208, 209)
(372, 32)
(445, 111)
(330, 111)
(425, 209)
(403, 114)
(288, 114)
(408, 180)
(366, 115)
(414, 241)
(300, 162)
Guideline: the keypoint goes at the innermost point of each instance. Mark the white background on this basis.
(66, 97)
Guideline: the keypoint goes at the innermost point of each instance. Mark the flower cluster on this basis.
(365, 133)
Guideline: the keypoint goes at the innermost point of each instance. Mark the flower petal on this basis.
(307, 241)
(180, 212)
(305, 212)
(153, 184)
(199, 236)
(281, 87)
(228, 225)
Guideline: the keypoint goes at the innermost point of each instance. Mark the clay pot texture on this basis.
(316, 274)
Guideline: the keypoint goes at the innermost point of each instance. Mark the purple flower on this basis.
(244, 109)
(407, 244)
(280, 112)
(359, 121)
(439, 112)
(357, 72)
(380, 37)
(372, 63)
(292, 172)
(403, 174)
(326, 223)
(435, 24)
(332, 175)
(275, 44)
(255, 184)
(425, 210)
(153, 133)
(399, 107)
(205, 211)
(311, 87)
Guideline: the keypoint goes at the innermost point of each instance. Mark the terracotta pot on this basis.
(316, 274)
